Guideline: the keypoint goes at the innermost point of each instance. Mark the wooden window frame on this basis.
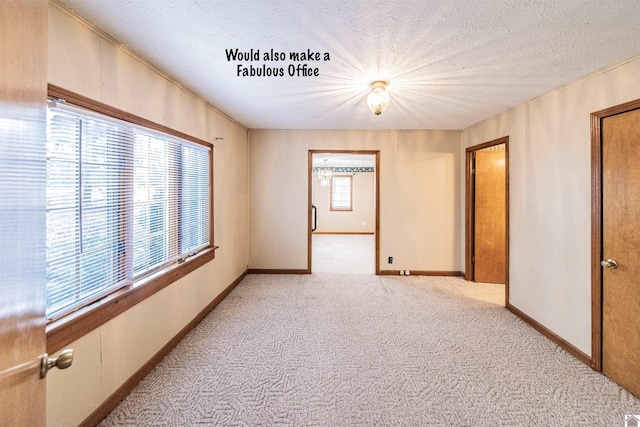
(73, 326)
(350, 209)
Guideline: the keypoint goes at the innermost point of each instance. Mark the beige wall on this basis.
(84, 61)
(420, 195)
(361, 219)
(550, 197)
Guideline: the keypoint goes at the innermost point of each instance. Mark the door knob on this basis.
(63, 361)
(609, 263)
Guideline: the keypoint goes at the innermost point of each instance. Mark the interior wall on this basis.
(361, 219)
(420, 195)
(550, 197)
(85, 61)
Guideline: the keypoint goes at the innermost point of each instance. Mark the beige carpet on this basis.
(343, 253)
(362, 350)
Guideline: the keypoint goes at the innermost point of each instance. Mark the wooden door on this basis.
(23, 85)
(489, 252)
(621, 243)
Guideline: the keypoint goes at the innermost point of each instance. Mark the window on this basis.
(341, 193)
(123, 202)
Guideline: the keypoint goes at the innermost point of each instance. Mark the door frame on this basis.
(596, 226)
(376, 201)
(470, 210)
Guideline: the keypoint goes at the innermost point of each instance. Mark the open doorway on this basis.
(487, 213)
(343, 211)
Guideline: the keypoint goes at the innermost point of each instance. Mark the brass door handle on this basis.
(63, 361)
(609, 263)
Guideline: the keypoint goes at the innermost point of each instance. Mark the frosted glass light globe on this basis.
(378, 100)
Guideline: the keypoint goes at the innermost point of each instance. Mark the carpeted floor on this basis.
(343, 253)
(364, 350)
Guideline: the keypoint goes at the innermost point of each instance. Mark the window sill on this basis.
(69, 328)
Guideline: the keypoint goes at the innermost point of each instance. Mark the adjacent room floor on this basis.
(343, 253)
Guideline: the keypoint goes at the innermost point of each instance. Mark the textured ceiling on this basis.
(449, 63)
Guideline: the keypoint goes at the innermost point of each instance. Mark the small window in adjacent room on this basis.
(341, 192)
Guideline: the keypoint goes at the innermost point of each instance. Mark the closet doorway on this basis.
(487, 213)
(343, 211)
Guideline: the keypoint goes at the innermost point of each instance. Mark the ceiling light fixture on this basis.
(324, 175)
(378, 99)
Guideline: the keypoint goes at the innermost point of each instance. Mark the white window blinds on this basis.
(120, 201)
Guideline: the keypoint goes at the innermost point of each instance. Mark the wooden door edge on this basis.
(469, 217)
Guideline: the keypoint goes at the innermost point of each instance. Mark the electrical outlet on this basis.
(390, 260)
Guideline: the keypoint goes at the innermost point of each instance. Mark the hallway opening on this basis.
(343, 211)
